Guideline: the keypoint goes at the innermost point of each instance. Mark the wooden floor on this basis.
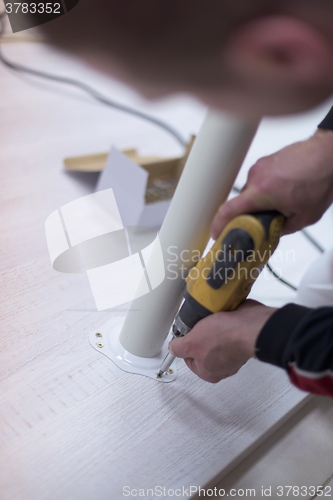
(73, 426)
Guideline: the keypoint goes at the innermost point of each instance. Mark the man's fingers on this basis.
(208, 376)
(190, 362)
(292, 225)
(180, 348)
(248, 201)
(248, 303)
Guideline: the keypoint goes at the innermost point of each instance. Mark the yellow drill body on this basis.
(237, 285)
(223, 278)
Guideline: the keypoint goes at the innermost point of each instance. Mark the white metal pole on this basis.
(209, 174)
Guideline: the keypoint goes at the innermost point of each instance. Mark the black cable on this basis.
(271, 270)
(91, 91)
(313, 241)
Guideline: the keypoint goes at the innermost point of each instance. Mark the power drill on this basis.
(223, 278)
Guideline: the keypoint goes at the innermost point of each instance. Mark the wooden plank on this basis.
(77, 425)
(328, 487)
(287, 457)
(68, 409)
(87, 163)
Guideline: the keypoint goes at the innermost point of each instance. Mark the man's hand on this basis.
(297, 181)
(220, 344)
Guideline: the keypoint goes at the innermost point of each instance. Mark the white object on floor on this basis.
(129, 183)
(316, 287)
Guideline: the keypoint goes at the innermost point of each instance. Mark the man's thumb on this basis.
(176, 348)
(241, 204)
(248, 201)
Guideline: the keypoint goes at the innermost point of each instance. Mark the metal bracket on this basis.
(106, 341)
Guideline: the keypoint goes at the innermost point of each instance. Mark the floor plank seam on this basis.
(322, 487)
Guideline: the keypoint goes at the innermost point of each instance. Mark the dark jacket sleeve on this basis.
(327, 122)
(300, 340)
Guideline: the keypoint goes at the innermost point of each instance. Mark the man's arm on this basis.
(295, 338)
(220, 344)
(297, 181)
(300, 340)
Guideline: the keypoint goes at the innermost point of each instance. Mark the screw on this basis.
(170, 370)
(99, 344)
(98, 334)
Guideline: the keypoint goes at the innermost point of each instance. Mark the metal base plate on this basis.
(106, 341)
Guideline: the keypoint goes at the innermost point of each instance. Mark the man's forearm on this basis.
(297, 181)
(300, 340)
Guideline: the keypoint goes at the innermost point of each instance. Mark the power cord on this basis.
(271, 270)
(312, 240)
(89, 90)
